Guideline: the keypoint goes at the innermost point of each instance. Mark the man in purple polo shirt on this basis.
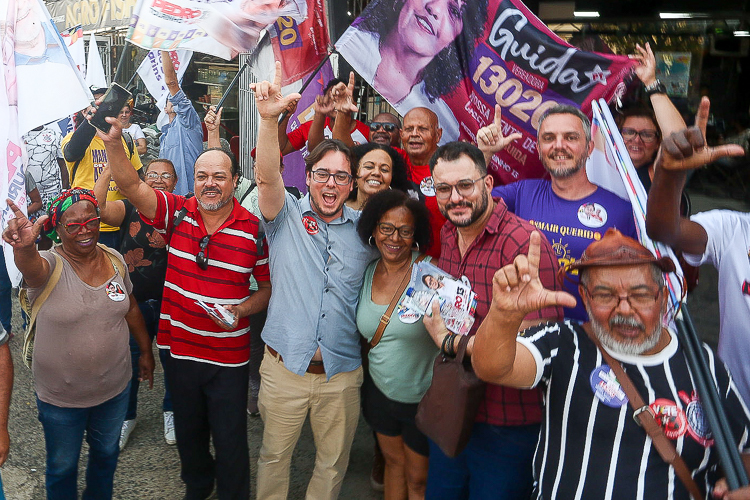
(570, 210)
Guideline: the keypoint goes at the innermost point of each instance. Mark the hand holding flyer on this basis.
(457, 301)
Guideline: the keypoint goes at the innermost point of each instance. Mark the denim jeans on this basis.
(496, 464)
(6, 304)
(63, 436)
(150, 310)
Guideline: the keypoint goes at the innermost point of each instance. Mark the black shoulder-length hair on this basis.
(389, 199)
(443, 74)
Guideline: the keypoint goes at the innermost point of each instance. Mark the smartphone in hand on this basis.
(112, 102)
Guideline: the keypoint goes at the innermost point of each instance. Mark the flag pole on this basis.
(121, 63)
(712, 408)
(233, 83)
(310, 79)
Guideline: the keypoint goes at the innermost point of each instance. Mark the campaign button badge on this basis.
(606, 388)
(427, 186)
(406, 315)
(670, 417)
(115, 291)
(311, 225)
(592, 215)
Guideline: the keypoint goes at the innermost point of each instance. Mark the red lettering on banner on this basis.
(173, 10)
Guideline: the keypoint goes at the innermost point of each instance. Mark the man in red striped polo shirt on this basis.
(214, 247)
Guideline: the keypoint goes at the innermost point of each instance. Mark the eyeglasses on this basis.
(387, 229)
(155, 175)
(647, 136)
(76, 227)
(202, 258)
(464, 187)
(612, 300)
(388, 127)
(340, 178)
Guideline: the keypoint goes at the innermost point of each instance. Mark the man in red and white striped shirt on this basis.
(214, 247)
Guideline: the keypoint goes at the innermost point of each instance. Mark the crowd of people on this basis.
(268, 303)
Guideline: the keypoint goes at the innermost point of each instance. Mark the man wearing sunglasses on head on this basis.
(214, 246)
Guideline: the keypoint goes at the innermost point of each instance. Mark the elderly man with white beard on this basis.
(590, 445)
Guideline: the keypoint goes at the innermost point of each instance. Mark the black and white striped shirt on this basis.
(591, 450)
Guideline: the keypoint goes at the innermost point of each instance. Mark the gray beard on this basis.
(212, 207)
(619, 347)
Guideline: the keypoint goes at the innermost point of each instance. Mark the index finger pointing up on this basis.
(498, 115)
(277, 74)
(535, 245)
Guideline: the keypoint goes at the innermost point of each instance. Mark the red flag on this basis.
(300, 47)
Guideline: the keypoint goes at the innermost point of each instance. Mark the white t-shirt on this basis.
(135, 131)
(728, 249)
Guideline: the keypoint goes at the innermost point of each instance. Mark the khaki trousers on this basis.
(284, 401)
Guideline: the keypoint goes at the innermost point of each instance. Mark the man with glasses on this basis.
(312, 365)
(568, 209)
(215, 245)
(480, 237)
(591, 445)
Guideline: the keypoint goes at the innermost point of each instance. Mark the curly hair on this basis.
(399, 178)
(389, 199)
(443, 74)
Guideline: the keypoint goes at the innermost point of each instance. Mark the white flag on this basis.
(95, 75)
(74, 41)
(222, 28)
(151, 72)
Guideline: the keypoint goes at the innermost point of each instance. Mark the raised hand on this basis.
(687, 149)
(646, 68)
(324, 105)
(114, 136)
(268, 98)
(343, 96)
(516, 288)
(21, 233)
(213, 118)
(490, 139)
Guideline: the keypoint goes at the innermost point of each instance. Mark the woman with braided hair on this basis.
(81, 357)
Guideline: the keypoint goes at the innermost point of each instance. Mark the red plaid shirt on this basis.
(504, 237)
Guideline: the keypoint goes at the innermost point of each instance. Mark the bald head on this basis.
(379, 134)
(420, 135)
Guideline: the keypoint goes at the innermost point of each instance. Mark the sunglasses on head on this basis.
(388, 127)
(202, 258)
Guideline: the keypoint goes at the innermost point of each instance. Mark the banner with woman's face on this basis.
(460, 58)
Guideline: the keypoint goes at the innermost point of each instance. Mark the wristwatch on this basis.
(655, 88)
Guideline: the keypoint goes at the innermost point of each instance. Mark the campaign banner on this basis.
(95, 75)
(222, 28)
(151, 72)
(38, 84)
(461, 63)
(300, 46)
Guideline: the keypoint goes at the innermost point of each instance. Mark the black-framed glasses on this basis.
(74, 228)
(640, 299)
(647, 136)
(202, 258)
(388, 127)
(463, 187)
(387, 229)
(340, 178)
(155, 175)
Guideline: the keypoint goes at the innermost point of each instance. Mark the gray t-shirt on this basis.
(81, 348)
